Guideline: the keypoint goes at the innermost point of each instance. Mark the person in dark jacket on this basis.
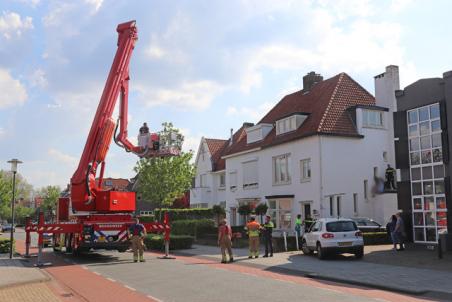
(390, 227)
(267, 230)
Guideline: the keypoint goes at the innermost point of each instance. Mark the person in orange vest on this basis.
(253, 228)
(224, 241)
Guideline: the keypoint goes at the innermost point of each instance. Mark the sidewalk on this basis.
(411, 280)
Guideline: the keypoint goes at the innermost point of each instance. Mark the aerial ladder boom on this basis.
(86, 194)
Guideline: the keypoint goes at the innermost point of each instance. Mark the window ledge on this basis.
(251, 186)
(282, 183)
(375, 127)
(303, 180)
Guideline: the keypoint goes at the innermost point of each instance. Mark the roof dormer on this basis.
(290, 123)
(258, 132)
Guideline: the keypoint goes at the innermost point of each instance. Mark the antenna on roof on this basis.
(232, 137)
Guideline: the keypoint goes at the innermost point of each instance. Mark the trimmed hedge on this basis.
(177, 242)
(150, 218)
(184, 214)
(376, 238)
(4, 245)
(196, 228)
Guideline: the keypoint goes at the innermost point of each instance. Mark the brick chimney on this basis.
(310, 80)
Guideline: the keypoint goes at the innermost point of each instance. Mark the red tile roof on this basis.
(216, 147)
(326, 105)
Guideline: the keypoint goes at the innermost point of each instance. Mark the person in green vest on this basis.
(298, 227)
(267, 230)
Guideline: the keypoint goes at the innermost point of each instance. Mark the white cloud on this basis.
(32, 3)
(62, 157)
(399, 5)
(195, 95)
(57, 14)
(11, 24)
(191, 141)
(12, 91)
(38, 78)
(252, 114)
(96, 4)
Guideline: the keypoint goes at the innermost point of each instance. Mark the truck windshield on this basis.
(341, 226)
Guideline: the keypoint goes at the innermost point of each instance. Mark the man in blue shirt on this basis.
(136, 233)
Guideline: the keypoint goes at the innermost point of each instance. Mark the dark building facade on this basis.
(423, 136)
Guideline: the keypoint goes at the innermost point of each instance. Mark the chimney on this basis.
(247, 125)
(310, 80)
(232, 137)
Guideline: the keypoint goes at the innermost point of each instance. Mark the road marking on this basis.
(112, 280)
(154, 298)
(131, 288)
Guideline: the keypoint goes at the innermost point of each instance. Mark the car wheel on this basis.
(321, 254)
(305, 248)
(359, 253)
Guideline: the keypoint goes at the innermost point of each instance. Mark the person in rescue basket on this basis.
(136, 233)
(224, 241)
(267, 231)
(252, 228)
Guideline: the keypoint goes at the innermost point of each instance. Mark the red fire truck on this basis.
(92, 217)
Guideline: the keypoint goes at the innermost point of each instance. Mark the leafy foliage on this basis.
(193, 227)
(23, 190)
(162, 180)
(177, 242)
(244, 210)
(261, 210)
(183, 214)
(49, 196)
(170, 136)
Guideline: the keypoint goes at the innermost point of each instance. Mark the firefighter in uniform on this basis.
(224, 241)
(137, 232)
(252, 228)
(267, 229)
(390, 178)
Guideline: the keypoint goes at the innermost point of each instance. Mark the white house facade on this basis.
(320, 152)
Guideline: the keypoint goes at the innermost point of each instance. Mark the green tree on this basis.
(23, 190)
(170, 136)
(162, 180)
(49, 196)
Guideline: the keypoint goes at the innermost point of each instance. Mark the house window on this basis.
(355, 203)
(250, 174)
(222, 180)
(305, 165)
(365, 189)
(223, 204)
(338, 205)
(331, 206)
(281, 169)
(372, 118)
(203, 182)
(286, 125)
(233, 180)
(108, 183)
(281, 212)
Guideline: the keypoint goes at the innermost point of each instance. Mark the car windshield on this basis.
(341, 226)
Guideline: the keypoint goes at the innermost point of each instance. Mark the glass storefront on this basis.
(427, 173)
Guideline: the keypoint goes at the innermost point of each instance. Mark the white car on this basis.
(333, 235)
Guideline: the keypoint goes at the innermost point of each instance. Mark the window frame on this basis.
(287, 166)
(373, 119)
(303, 177)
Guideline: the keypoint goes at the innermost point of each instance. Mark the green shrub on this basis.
(177, 242)
(150, 218)
(184, 214)
(376, 238)
(196, 228)
(4, 245)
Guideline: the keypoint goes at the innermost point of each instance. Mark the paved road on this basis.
(192, 279)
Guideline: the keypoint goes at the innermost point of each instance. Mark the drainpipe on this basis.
(321, 177)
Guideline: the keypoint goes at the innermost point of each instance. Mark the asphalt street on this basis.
(191, 279)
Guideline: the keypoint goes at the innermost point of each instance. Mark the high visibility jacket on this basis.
(253, 228)
(298, 224)
(268, 228)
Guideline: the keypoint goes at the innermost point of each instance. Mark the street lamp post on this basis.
(14, 162)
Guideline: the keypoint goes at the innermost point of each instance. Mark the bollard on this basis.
(285, 240)
(296, 241)
(440, 249)
(27, 237)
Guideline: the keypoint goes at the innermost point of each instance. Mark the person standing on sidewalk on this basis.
(399, 232)
(136, 233)
(267, 229)
(224, 241)
(390, 227)
(252, 228)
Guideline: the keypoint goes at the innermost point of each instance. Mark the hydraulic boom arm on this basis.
(83, 186)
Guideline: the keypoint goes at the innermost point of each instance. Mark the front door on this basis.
(305, 210)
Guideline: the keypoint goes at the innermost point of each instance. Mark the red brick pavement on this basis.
(80, 284)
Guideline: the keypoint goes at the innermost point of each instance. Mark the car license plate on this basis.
(344, 243)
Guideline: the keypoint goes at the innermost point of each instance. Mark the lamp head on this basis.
(14, 162)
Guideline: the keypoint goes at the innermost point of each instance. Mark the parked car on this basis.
(368, 225)
(7, 227)
(333, 235)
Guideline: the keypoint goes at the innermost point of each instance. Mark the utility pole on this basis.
(13, 163)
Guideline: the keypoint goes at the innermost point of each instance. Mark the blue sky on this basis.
(206, 66)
